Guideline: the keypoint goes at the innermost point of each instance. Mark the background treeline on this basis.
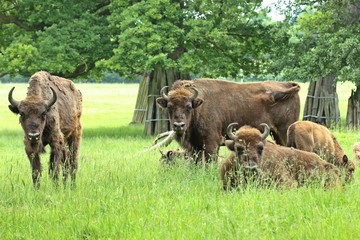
(105, 78)
(112, 77)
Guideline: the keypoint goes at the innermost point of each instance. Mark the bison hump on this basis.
(281, 95)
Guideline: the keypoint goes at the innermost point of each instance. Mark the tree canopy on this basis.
(209, 38)
(63, 37)
(319, 39)
(226, 38)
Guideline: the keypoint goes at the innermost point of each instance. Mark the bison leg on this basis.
(210, 152)
(36, 168)
(56, 157)
(74, 150)
(66, 165)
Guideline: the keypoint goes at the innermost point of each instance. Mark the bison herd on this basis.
(203, 115)
(204, 112)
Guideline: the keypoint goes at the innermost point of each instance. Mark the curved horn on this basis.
(12, 101)
(163, 94)
(266, 131)
(51, 102)
(196, 93)
(230, 130)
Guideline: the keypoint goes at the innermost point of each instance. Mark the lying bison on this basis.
(313, 137)
(200, 110)
(356, 152)
(271, 163)
(50, 114)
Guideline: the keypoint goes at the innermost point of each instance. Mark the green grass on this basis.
(123, 193)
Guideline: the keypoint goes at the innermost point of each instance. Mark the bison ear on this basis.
(14, 109)
(230, 144)
(197, 102)
(162, 102)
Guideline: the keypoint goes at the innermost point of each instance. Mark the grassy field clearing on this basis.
(123, 193)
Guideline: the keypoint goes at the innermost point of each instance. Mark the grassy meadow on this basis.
(124, 193)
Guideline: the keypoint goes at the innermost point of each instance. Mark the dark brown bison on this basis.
(200, 110)
(50, 114)
(313, 137)
(271, 163)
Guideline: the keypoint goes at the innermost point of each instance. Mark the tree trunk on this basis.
(322, 105)
(157, 120)
(353, 111)
(141, 101)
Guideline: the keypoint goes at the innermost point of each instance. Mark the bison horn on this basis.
(163, 94)
(51, 102)
(266, 131)
(12, 101)
(196, 93)
(230, 130)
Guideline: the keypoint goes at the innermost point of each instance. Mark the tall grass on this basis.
(123, 193)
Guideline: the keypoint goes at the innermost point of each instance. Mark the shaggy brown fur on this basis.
(57, 124)
(200, 123)
(356, 151)
(279, 165)
(313, 137)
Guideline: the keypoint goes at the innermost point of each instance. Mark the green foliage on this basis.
(199, 37)
(322, 41)
(64, 38)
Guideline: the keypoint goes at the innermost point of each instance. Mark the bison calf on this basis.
(252, 154)
(50, 115)
(356, 151)
(313, 137)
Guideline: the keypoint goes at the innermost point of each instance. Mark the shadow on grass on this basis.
(12, 132)
(114, 132)
(110, 132)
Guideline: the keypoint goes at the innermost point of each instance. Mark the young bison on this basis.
(356, 151)
(268, 162)
(313, 137)
(50, 114)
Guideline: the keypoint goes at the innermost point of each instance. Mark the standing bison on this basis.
(271, 163)
(313, 137)
(50, 114)
(200, 110)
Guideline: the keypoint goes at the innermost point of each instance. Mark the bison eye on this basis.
(43, 116)
(240, 150)
(188, 107)
(22, 116)
(170, 107)
(260, 149)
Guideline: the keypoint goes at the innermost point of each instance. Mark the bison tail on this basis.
(293, 89)
(290, 141)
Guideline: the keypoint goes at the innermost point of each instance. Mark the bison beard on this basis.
(200, 110)
(50, 115)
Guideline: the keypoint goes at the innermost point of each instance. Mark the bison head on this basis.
(349, 168)
(247, 143)
(32, 113)
(180, 104)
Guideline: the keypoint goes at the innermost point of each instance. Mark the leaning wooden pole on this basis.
(353, 111)
(321, 104)
(141, 101)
